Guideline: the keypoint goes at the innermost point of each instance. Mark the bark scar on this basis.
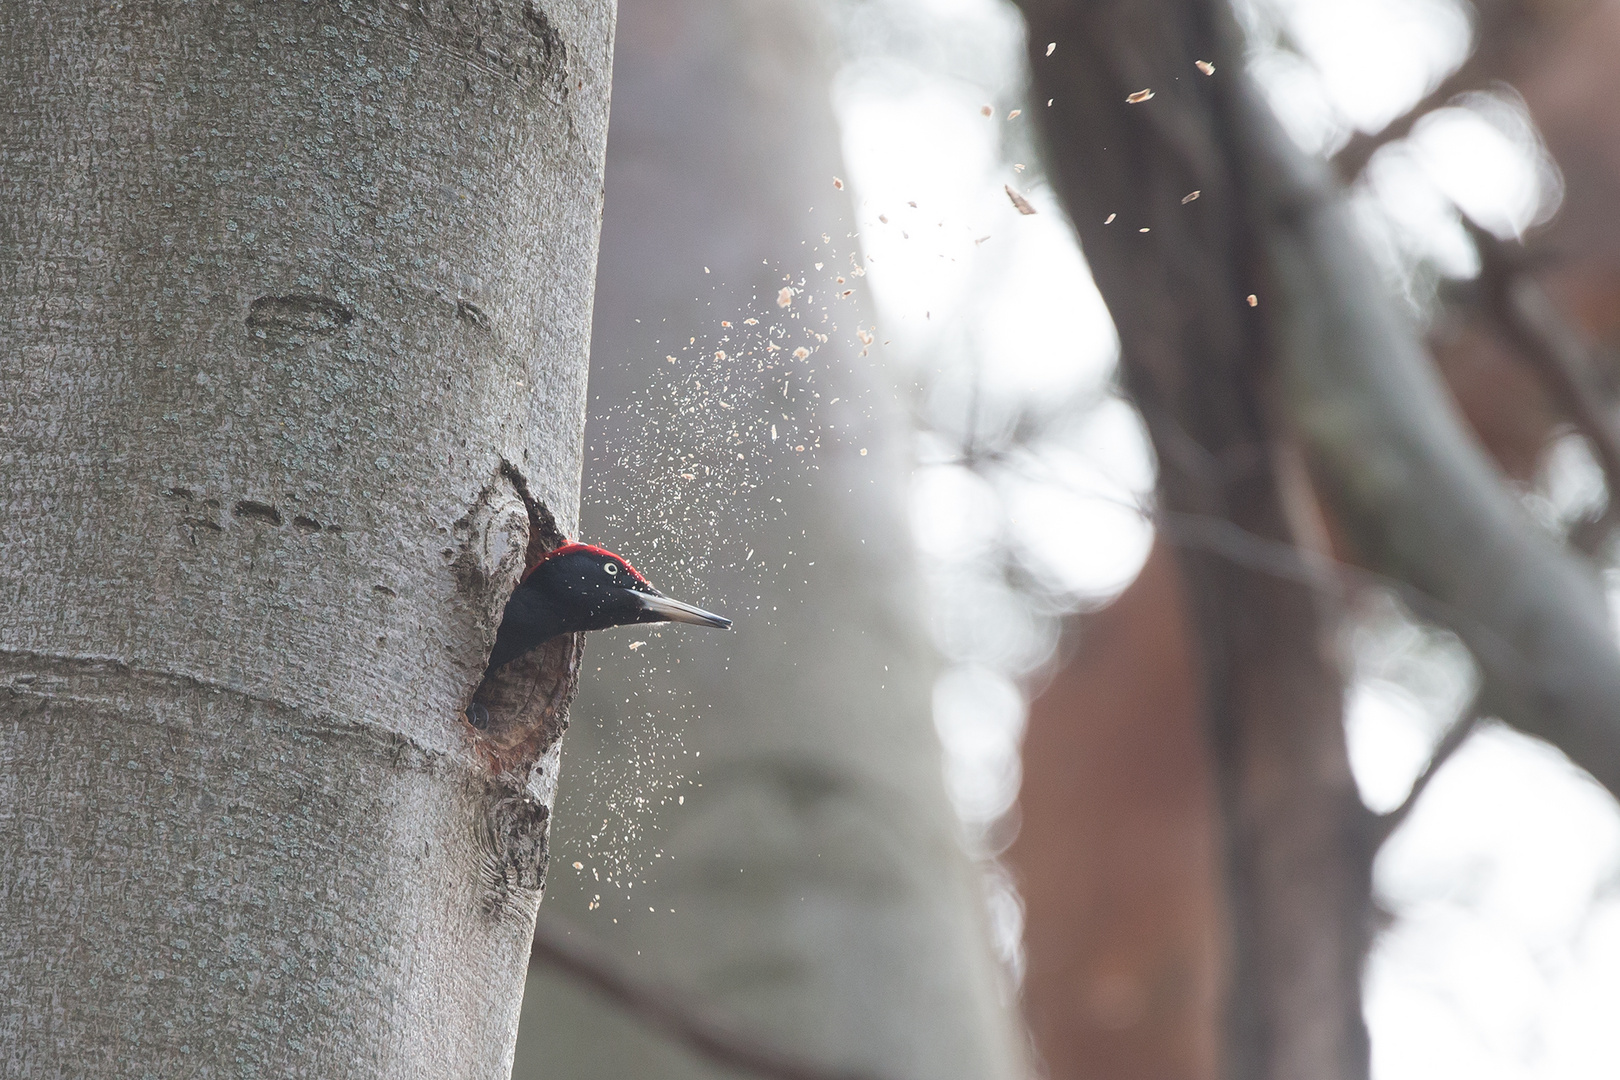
(299, 313)
(516, 851)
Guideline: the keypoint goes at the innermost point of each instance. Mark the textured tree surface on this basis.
(293, 312)
(821, 902)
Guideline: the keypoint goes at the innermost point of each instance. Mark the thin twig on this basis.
(665, 1009)
(1318, 571)
(1384, 825)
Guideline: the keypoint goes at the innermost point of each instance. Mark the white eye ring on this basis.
(611, 568)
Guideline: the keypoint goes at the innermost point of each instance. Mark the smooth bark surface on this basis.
(293, 314)
(821, 903)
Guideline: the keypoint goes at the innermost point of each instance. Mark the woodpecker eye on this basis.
(611, 568)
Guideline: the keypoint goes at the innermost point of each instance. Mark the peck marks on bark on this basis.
(298, 313)
(253, 510)
(473, 315)
(198, 511)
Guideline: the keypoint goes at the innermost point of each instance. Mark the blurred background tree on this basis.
(757, 820)
(1314, 794)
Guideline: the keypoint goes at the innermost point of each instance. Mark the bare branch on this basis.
(1498, 34)
(1354, 155)
(1419, 496)
(1458, 733)
(1329, 577)
(1554, 347)
(666, 1010)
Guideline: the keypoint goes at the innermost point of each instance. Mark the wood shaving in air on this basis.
(1020, 203)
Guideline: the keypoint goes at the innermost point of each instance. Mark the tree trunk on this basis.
(820, 900)
(293, 314)
(1116, 856)
(1175, 270)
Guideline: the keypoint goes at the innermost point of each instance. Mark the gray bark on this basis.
(293, 313)
(821, 902)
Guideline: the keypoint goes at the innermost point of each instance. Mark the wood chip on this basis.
(837, 183)
(985, 110)
(1205, 66)
(1020, 203)
(785, 297)
(1015, 114)
(1189, 197)
(1254, 301)
(1109, 220)
(1139, 97)
(1051, 47)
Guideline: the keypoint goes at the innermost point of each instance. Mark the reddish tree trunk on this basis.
(1118, 857)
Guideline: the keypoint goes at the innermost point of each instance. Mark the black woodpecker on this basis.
(580, 587)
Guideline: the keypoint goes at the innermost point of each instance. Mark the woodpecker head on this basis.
(578, 587)
(591, 588)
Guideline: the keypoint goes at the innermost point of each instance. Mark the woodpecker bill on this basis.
(580, 587)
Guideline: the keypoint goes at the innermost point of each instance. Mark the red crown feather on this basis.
(589, 549)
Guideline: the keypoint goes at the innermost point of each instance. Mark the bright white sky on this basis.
(1504, 959)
